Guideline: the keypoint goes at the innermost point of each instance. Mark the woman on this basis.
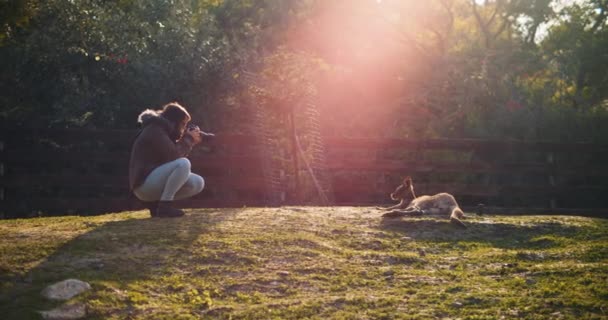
(159, 171)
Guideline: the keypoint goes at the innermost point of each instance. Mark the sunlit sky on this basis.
(558, 2)
(543, 28)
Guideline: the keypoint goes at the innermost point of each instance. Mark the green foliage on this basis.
(500, 69)
(99, 63)
(286, 80)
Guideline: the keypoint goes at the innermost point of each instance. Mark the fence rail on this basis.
(85, 172)
(70, 171)
(543, 176)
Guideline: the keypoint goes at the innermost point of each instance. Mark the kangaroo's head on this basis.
(404, 192)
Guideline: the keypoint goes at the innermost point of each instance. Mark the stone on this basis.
(389, 272)
(530, 256)
(65, 290)
(421, 252)
(65, 312)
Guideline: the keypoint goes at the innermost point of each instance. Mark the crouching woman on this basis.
(159, 171)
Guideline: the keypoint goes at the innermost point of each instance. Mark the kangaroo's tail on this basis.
(403, 213)
(455, 217)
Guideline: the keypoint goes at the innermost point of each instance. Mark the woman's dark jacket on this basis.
(154, 146)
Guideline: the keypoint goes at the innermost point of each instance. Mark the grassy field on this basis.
(309, 262)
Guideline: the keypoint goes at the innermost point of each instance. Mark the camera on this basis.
(206, 136)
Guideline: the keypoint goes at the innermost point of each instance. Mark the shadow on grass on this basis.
(118, 252)
(535, 235)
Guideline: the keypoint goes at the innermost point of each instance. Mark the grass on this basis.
(309, 262)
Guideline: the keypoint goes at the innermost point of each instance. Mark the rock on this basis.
(530, 256)
(283, 273)
(65, 290)
(388, 272)
(421, 252)
(513, 313)
(374, 245)
(90, 224)
(457, 304)
(473, 300)
(406, 238)
(65, 312)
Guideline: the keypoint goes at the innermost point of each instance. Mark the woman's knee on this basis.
(183, 163)
(199, 183)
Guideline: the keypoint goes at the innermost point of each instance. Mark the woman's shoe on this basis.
(165, 210)
(152, 206)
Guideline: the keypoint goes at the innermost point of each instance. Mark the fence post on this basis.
(551, 163)
(282, 193)
(294, 156)
(2, 171)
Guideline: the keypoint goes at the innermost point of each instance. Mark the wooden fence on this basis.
(506, 176)
(85, 172)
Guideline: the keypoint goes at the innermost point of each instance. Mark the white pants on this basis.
(170, 181)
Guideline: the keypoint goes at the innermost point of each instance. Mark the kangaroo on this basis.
(410, 205)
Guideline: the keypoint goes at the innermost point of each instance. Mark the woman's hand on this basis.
(196, 135)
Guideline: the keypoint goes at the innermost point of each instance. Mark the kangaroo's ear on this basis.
(407, 181)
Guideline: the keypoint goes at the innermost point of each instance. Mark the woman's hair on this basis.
(175, 113)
